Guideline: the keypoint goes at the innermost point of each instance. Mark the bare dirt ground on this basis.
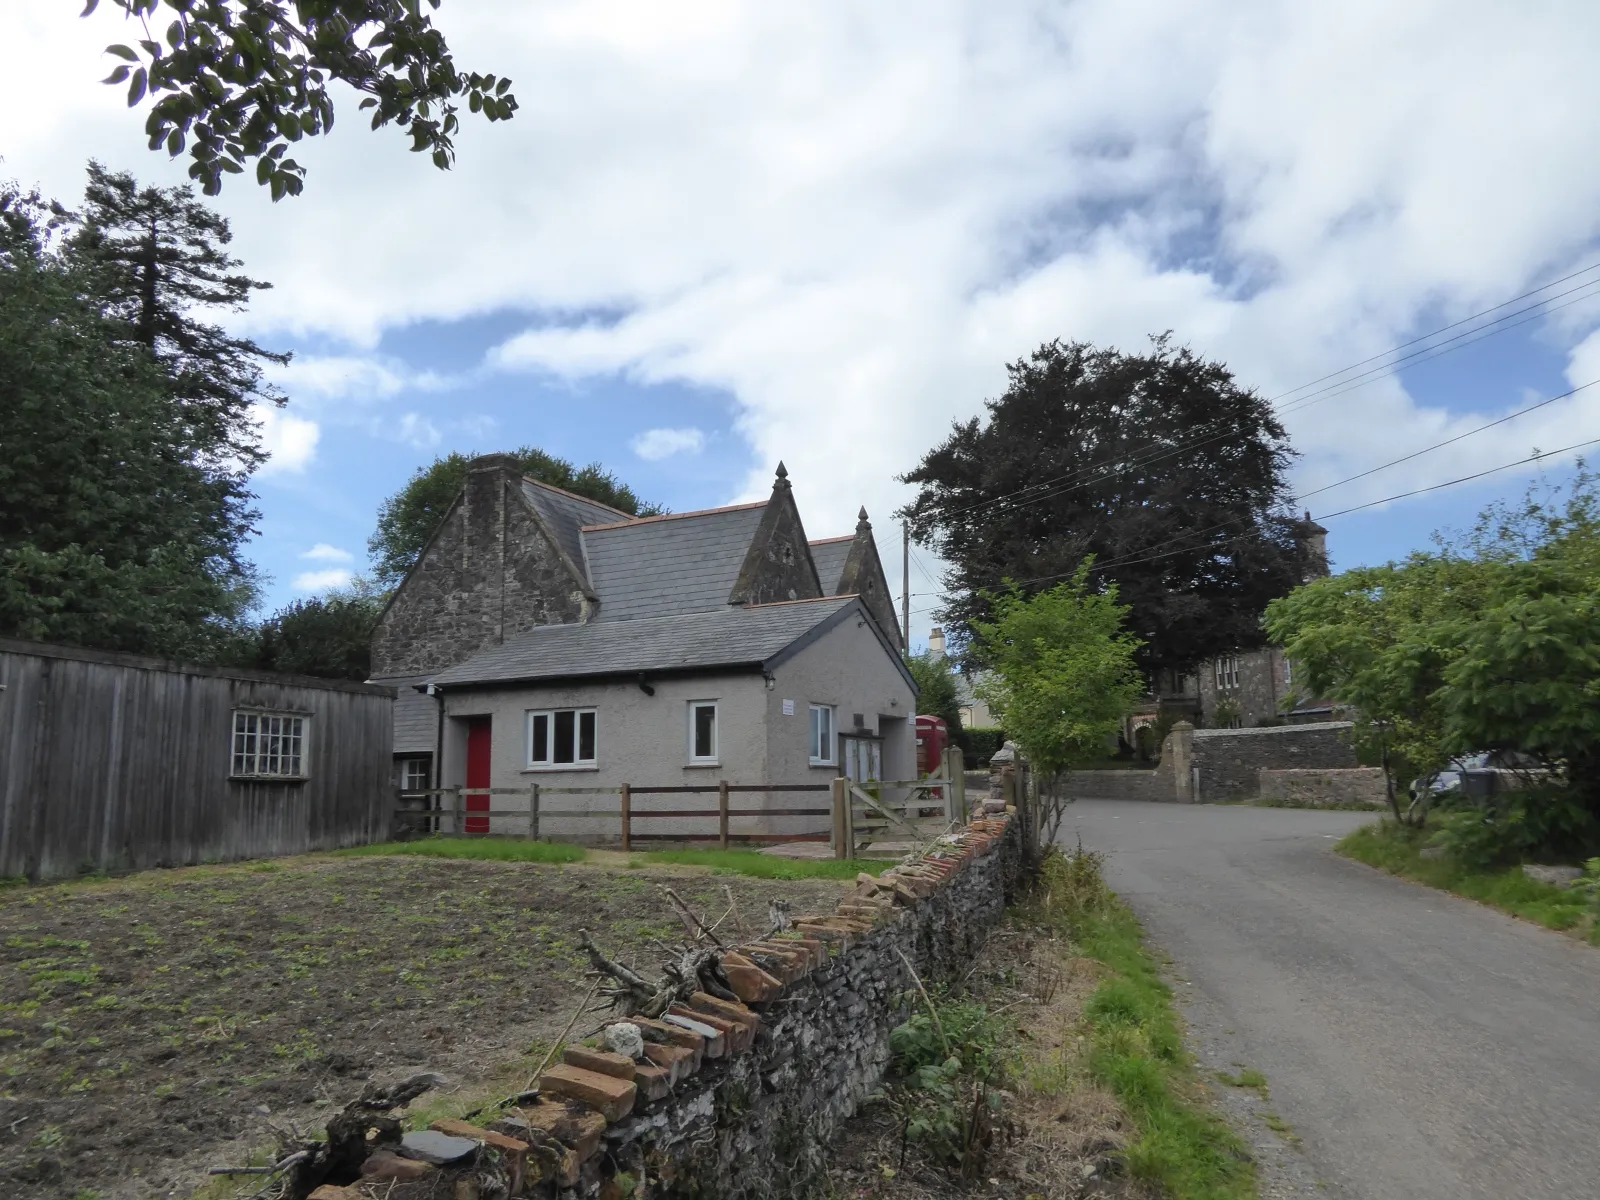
(153, 1026)
(1059, 1133)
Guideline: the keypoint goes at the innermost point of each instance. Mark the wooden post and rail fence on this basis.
(880, 812)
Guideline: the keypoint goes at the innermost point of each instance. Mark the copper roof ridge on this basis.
(700, 512)
(550, 487)
(843, 537)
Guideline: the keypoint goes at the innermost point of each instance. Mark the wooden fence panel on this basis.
(111, 761)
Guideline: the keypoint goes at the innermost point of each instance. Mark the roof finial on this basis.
(783, 476)
(861, 520)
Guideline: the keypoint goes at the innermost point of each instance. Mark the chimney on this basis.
(1313, 539)
(936, 644)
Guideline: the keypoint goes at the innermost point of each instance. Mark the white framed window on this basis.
(268, 745)
(1227, 672)
(415, 774)
(822, 740)
(561, 737)
(703, 732)
(1288, 673)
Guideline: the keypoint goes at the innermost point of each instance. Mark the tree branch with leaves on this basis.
(1063, 677)
(239, 81)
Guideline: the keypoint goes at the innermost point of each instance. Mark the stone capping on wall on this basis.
(741, 1100)
(1269, 730)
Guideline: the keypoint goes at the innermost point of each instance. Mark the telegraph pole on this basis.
(905, 584)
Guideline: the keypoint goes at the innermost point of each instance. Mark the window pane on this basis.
(564, 736)
(586, 737)
(541, 738)
(705, 731)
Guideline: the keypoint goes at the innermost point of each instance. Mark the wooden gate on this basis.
(888, 818)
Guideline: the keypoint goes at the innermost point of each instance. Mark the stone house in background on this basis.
(1249, 688)
(1242, 689)
(543, 636)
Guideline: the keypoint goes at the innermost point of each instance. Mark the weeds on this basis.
(486, 849)
(765, 866)
(1135, 1045)
(1398, 850)
(948, 1061)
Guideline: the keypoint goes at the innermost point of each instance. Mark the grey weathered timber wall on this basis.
(115, 762)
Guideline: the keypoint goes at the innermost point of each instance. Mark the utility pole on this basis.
(905, 585)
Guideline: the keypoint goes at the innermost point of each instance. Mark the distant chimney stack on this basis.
(936, 644)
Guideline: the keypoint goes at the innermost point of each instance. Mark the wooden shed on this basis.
(116, 762)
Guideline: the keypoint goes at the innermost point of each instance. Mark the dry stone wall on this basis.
(1230, 760)
(1354, 787)
(740, 1101)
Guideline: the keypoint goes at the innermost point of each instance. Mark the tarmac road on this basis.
(1421, 1046)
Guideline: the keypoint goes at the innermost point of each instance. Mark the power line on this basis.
(1446, 329)
(1144, 556)
(1464, 479)
(1048, 488)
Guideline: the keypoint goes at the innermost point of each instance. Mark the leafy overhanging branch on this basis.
(237, 81)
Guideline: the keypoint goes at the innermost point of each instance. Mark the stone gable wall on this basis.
(778, 565)
(489, 572)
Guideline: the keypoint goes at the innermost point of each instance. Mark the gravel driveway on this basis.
(1415, 1045)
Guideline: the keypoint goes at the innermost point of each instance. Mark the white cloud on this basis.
(851, 223)
(417, 431)
(655, 444)
(290, 442)
(354, 378)
(322, 552)
(321, 581)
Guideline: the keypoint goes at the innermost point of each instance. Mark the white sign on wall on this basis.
(788, 708)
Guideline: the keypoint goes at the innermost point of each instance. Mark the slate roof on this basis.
(723, 637)
(567, 514)
(416, 715)
(660, 566)
(829, 556)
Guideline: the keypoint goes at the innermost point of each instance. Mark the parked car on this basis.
(1458, 775)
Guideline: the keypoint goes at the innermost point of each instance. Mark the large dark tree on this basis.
(1159, 465)
(114, 532)
(327, 635)
(155, 261)
(408, 518)
(236, 81)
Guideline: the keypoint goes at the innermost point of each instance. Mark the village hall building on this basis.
(545, 637)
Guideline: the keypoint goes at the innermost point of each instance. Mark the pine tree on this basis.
(156, 263)
(112, 534)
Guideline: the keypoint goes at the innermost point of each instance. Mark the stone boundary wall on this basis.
(1351, 787)
(1153, 785)
(1230, 760)
(740, 1101)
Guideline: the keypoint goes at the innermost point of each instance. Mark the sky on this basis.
(721, 233)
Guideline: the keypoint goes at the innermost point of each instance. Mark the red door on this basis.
(478, 730)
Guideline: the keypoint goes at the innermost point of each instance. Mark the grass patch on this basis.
(1135, 1043)
(1246, 1078)
(764, 866)
(486, 848)
(1397, 849)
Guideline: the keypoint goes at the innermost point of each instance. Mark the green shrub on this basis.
(978, 744)
(1536, 825)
